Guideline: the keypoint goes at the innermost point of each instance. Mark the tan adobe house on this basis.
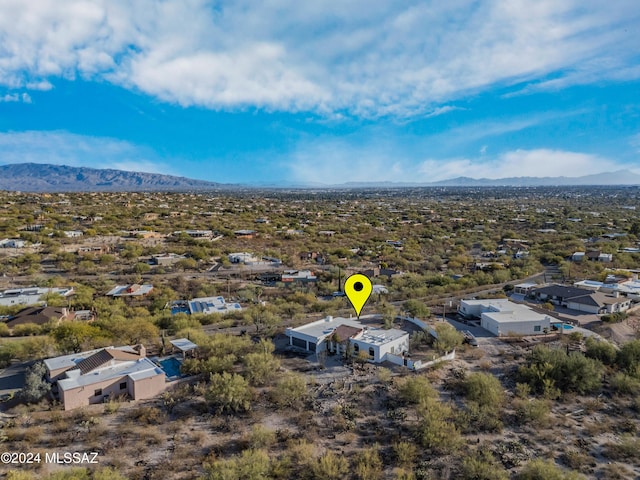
(98, 375)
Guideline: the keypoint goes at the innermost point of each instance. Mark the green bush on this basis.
(549, 368)
(601, 350)
(545, 470)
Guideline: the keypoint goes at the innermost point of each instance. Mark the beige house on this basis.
(97, 375)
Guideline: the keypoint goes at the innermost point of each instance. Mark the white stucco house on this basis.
(503, 317)
(339, 335)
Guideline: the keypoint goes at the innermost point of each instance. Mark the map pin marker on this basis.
(358, 289)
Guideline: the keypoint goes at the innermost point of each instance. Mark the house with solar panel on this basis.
(97, 375)
(204, 305)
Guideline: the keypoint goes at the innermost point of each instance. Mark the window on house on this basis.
(356, 348)
(371, 352)
(123, 386)
(537, 328)
(97, 392)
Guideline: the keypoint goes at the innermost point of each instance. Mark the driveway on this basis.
(12, 378)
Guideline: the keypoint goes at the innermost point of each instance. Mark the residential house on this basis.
(96, 250)
(31, 295)
(73, 233)
(204, 305)
(12, 243)
(298, 276)
(342, 336)
(39, 315)
(583, 299)
(578, 256)
(166, 259)
(598, 256)
(243, 257)
(504, 318)
(95, 376)
(245, 233)
(135, 290)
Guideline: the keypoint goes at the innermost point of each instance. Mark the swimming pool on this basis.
(171, 367)
(566, 326)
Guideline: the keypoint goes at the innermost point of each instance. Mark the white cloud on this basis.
(519, 163)
(63, 148)
(360, 57)
(16, 97)
(336, 162)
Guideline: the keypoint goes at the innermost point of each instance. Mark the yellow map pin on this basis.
(358, 289)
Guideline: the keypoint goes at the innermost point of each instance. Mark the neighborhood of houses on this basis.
(97, 375)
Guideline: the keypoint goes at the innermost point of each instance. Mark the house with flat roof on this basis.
(31, 295)
(97, 375)
(298, 276)
(503, 317)
(12, 243)
(135, 290)
(166, 259)
(209, 305)
(339, 335)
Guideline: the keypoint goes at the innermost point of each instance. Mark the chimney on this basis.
(142, 352)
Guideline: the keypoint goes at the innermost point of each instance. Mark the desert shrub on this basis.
(577, 460)
(290, 391)
(330, 466)
(368, 465)
(549, 368)
(35, 384)
(483, 389)
(448, 338)
(615, 471)
(26, 329)
(628, 358)
(229, 392)
(405, 453)
(531, 411)
(148, 415)
(545, 470)
(249, 465)
(482, 466)
(625, 384)
(260, 367)
(261, 437)
(485, 396)
(107, 473)
(600, 350)
(627, 449)
(416, 390)
(436, 429)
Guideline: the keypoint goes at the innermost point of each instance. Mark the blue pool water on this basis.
(171, 367)
(565, 326)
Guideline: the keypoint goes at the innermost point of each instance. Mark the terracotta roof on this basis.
(345, 332)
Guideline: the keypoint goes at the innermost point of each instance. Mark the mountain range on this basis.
(36, 177)
(32, 177)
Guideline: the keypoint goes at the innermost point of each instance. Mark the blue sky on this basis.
(322, 92)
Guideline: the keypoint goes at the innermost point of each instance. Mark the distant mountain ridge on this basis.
(37, 177)
(620, 177)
